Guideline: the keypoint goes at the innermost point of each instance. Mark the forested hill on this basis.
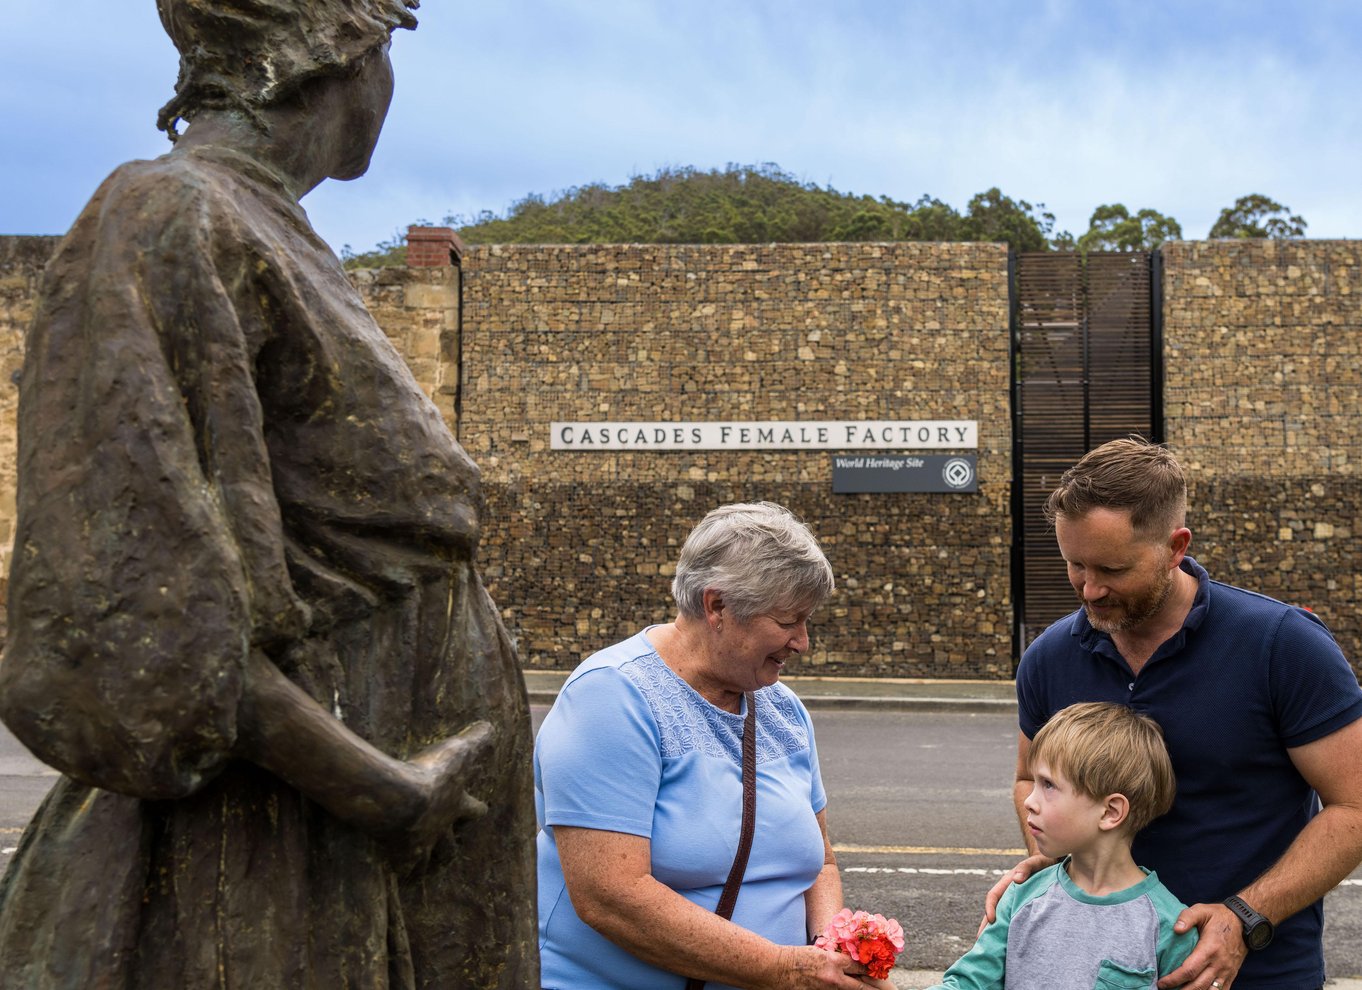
(741, 204)
(746, 204)
(750, 205)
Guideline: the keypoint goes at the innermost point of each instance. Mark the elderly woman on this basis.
(244, 618)
(639, 783)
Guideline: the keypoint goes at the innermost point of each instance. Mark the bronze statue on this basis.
(244, 617)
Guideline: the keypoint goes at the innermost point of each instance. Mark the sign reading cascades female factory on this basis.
(871, 434)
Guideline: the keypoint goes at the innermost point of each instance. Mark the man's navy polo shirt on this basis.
(1246, 678)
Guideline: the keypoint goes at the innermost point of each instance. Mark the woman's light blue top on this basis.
(631, 747)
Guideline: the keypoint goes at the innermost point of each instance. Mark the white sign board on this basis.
(871, 434)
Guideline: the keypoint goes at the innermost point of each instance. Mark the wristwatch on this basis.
(1258, 931)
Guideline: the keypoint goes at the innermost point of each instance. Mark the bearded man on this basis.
(1260, 710)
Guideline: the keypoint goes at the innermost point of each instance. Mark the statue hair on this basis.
(245, 55)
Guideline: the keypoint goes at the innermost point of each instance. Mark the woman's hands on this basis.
(610, 882)
(805, 967)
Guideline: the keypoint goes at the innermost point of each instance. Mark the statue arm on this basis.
(283, 729)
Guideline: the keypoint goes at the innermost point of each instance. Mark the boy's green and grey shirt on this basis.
(1052, 935)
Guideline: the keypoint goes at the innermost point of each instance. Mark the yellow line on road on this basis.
(10, 831)
(926, 850)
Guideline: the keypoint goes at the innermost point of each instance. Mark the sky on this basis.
(1181, 107)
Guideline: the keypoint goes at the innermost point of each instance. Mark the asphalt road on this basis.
(23, 783)
(920, 815)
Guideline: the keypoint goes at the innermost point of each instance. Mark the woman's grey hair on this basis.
(758, 555)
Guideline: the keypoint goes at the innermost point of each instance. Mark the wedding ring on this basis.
(1216, 985)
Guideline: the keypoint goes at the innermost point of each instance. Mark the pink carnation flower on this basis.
(871, 939)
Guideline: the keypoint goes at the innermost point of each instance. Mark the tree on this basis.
(1256, 216)
(885, 219)
(929, 219)
(1112, 228)
(385, 254)
(869, 224)
(991, 216)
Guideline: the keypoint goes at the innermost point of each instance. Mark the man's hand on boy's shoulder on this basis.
(1219, 952)
(1020, 873)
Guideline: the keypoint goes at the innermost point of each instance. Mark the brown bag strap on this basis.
(729, 898)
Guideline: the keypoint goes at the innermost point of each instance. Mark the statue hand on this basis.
(441, 772)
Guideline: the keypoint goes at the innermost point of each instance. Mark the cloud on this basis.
(1181, 107)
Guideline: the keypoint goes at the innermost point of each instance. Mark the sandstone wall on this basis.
(21, 265)
(418, 308)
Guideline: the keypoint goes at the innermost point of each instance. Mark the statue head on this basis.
(247, 55)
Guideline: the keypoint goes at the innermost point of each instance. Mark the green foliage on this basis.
(932, 220)
(747, 204)
(991, 216)
(741, 204)
(1255, 216)
(1112, 228)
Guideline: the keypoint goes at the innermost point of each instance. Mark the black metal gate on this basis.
(1087, 368)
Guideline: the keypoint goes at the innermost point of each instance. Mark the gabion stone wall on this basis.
(1263, 355)
(1262, 376)
(579, 547)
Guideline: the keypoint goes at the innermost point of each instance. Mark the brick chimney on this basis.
(433, 247)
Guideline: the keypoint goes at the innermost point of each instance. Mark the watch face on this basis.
(1259, 935)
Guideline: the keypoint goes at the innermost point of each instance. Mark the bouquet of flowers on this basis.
(871, 939)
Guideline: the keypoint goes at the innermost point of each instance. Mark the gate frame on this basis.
(1157, 419)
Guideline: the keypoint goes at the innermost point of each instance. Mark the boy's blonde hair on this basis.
(1103, 748)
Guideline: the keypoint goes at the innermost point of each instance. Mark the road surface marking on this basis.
(927, 850)
(923, 870)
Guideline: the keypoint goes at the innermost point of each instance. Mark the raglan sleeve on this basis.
(984, 966)
(1174, 947)
(818, 795)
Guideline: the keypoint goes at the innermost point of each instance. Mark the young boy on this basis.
(1095, 919)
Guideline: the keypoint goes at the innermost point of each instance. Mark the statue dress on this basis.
(221, 452)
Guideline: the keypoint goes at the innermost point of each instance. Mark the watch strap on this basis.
(1258, 930)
